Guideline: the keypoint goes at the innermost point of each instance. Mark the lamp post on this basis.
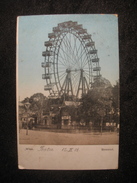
(27, 105)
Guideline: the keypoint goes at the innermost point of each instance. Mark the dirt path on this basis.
(54, 138)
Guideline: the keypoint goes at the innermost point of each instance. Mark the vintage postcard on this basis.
(68, 92)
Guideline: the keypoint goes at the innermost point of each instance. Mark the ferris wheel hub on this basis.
(68, 70)
(73, 70)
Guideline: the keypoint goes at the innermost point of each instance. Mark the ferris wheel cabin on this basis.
(48, 43)
(92, 52)
(48, 87)
(82, 31)
(90, 44)
(47, 64)
(52, 35)
(96, 69)
(95, 60)
(67, 24)
(87, 36)
(47, 53)
(56, 29)
(46, 76)
(78, 27)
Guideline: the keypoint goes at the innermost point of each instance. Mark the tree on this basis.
(38, 102)
(25, 100)
(72, 111)
(97, 102)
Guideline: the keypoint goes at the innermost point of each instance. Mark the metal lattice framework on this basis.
(71, 62)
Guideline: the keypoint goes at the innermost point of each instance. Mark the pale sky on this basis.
(33, 32)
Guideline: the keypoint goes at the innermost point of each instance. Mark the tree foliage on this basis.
(101, 101)
(97, 102)
(38, 102)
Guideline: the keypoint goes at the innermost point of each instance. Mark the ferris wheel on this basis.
(71, 63)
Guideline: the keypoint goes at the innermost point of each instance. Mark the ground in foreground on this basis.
(54, 138)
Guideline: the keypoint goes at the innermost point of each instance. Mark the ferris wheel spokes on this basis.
(67, 49)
